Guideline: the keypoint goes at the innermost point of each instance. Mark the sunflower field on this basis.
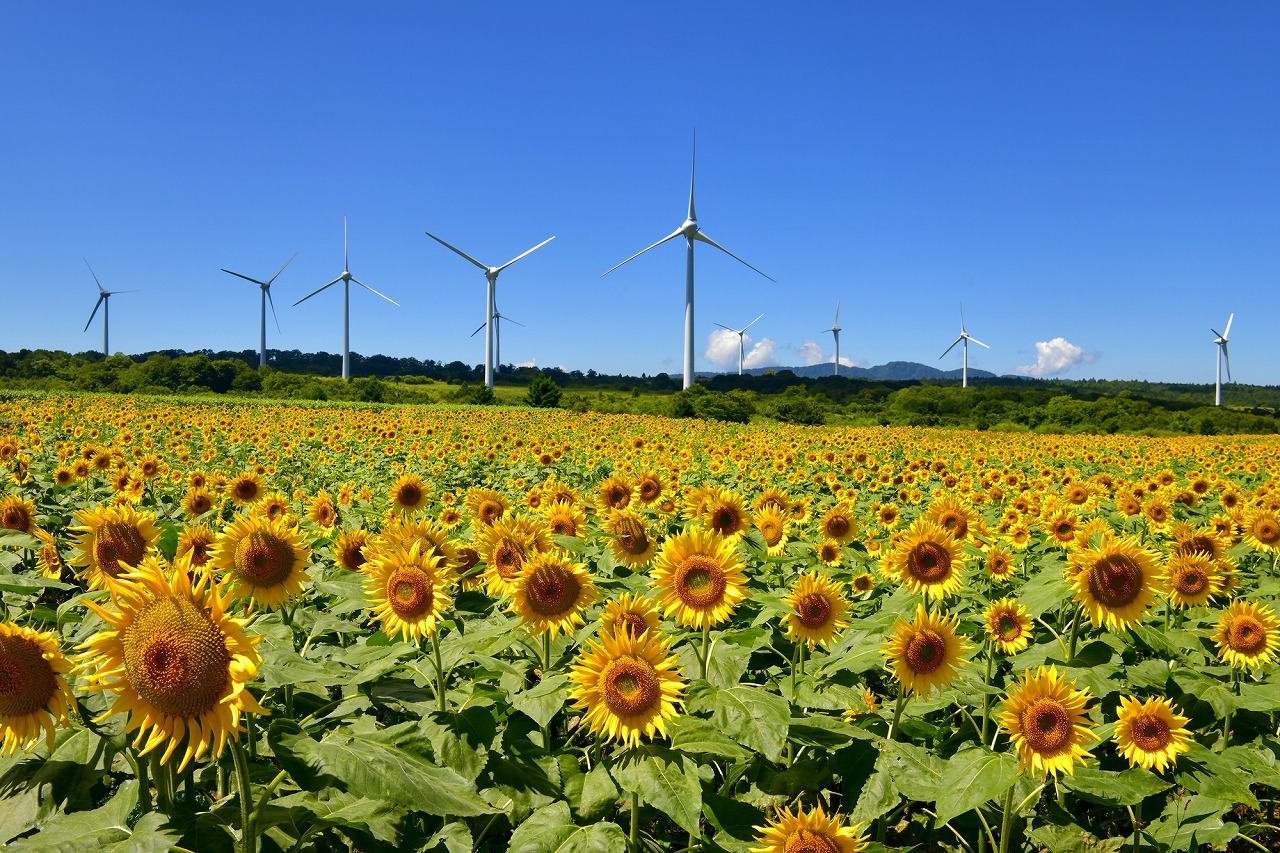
(251, 627)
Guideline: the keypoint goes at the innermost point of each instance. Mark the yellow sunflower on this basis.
(48, 559)
(926, 560)
(17, 514)
(1262, 529)
(838, 524)
(505, 546)
(408, 494)
(1151, 734)
(321, 510)
(550, 594)
(648, 488)
(699, 578)
(808, 832)
(629, 685)
(348, 550)
(925, 652)
(1114, 580)
(564, 518)
(1044, 718)
(1060, 526)
(245, 488)
(485, 506)
(177, 662)
(999, 562)
(264, 559)
(772, 521)
(615, 492)
(1246, 634)
(631, 543)
(272, 506)
(405, 586)
(34, 696)
(629, 613)
(1191, 579)
(1008, 625)
(830, 553)
(819, 608)
(196, 502)
(110, 540)
(726, 513)
(196, 540)
(953, 515)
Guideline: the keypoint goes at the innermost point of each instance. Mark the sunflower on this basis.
(321, 510)
(837, 524)
(953, 515)
(34, 695)
(264, 558)
(1008, 625)
(408, 494)
(272, 506)
(1262, 529)
(1246, 634)
(772, 522)
(564, 518)
(111, 539)
(699, 578)
(830, 553)
(808, 832)
(999, 562)
(1044, 717)
(48, 559)
(245, 488)
(648, 488)
(550, 594)
(819, 609)
(926, 560)
(196, 540)
(1191, 579)
(727, 514)
(772, 496)
(1151, 734)
(631, 543)
(629, 613)
(405, 586)
(17, 514)
(176, 660)
(485, 506)
(348, 550)
(505, 546)
(1114, 580)
(629, 685)
(615, 492)
(925, 652)
(1061, 526)
(196, 502)
(862, 584)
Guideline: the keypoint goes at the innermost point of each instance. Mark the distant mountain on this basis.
(893, 371)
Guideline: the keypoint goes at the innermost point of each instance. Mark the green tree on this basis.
(544, 393)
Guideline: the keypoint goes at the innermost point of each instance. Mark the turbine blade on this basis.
(950, 348)
(1227, 333)
(1216, 333)
(837, 322)
(752, 323)
(976, 341)
(478, 328)
(371, 290)
(272, 303)
(670, 236)
(1226, 357)
(723, 326)
(531, 251)
(962, 318)
(286, 263)
(246, 278)
(345, 265)
(509, 320)
(698, 235)
(693, 171)
(94, 274)
(457, 250)
(314, 292)
(95, 311)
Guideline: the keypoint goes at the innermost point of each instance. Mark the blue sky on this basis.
(1104, 174)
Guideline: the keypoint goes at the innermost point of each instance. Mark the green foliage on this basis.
(697, 401)
(474, 395)
(796, 405)
(544, 393)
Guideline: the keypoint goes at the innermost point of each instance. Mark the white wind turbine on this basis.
(965, 337)
(103, 297)
(498, 317)
(346, 278)
(491, 276)
(690, 231)
(1221, 341)
(265, 287)
(740, 333)
(835, 330)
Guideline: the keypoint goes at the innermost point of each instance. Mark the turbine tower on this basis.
(103, 296)
(346, 278)
(740, 333)
(690, 231)
(835, 330)
(965, 337)
(498, 317)
(1221, 341)
(491, 276)
(265, 286)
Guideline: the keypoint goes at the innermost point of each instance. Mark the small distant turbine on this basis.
(965, 337)
(1221, 341)
(835, 330)
(346, 278)
(103, 296)
(491, 276)
(740, 333)
(265, 286)
(498, 317)
(690, 231)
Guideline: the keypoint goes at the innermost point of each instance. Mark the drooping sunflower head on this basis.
(198, 541)
(405, 587)
(726, 513)
(1044, 717)
(321, 510)
(1246, 634)
(819, 609)
(177, 662)
(648, 488)
(838, 524)
(1191, 579)
(564, 518)
(348, 550)
(408, 494)
(264, 560)
(1114, 580)
(629, 613)
(1008, 625)
(926, 560)
(699, 577)
(551, 593)
(925, 652)
(628, 685)
(505, 547)
(34, 696)
(111, 540)
(772, 521)
(631, 543)
(1151, 734)
(17, 514)
(1262, 529)
(48, 558)
(196, 502)
(808, 832)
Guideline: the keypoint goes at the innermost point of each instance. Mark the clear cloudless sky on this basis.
(1097, 183)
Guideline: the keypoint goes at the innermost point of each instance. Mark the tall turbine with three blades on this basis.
(690, 231)
(1221, 341)
(965, 337)
(103, 296)
(835, 330)
(265, 287)
(346, 278)
(491, 276)
(498, 317)
(740, 333)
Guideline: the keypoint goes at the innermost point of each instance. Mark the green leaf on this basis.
(1260, 697)
(879, 796)
(462, 740)
(699, 737)
(1188, 821)
(377, 817)
(665, 780)
(732, 817)
(971, 777)
(544, 700)
(1126, 788)
(36, 789)
(105, 829)
(1206, 689)
(917, 773)
(1215, 776)
(551, 830)
(825, 732)
(599, 793)
(753, 717)
(1048, 589)
(454, 836)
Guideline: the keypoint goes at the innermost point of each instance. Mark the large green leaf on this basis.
(551, 830)
(971, 777)
(377, 817)
(544, 700)
(35, 790)
(752, 716)
(879, 796)
(1046, 590)
(732, 817)
(1192, 821)
(698, 737)
(102, 830)
(462, 740)
(1107, 788)
(665, 780)
(917, 772)
(1214, 775)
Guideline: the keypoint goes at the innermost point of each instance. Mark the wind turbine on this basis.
(965, 337)
(103, 296)
(835, 330)
(690, 231)
(491, 276)
(1221, 341)
(740, 333)
(346, 278)
(266, 297)
(498, 317)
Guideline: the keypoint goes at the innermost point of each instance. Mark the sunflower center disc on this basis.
(630, 687)
(1247, 636)
(813, 611)
(15, 518)
(1150, 733)
(409, 592)
(725, 520)
(837, 526)
(27, 681)
(118, 545)
(1115, 580)
(1266, 533)
(929, 562)
(957, 525)
(631, 536)
(926, 651)
(352, 556)
(562, 525)
(490, 511)
(552, 591)
(772, 532)
(507, 560)
(264, 559)
(1199, 544)
(409, 496)
(176, 658)
(632, 623)
(1008, 628)
(1191, 582)
(808, 841)
(1046, 726)
(700, 582)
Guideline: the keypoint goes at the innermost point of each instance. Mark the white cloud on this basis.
(533, 362)
(761, 354)
(810, 352)
(1056, 356)
(722, 349)
(845, 361)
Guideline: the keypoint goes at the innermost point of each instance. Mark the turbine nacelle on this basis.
(689, 228)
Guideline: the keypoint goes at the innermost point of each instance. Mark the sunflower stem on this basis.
(144, 783)
(897, 713)
(439, 665)
(1226, 719)
(1006, 824)
(987, 836)
(266, 797)
(248, 836)
(1136, 818)
(1075, 633)
(633, 837)
(986, 697)
(706, 647)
